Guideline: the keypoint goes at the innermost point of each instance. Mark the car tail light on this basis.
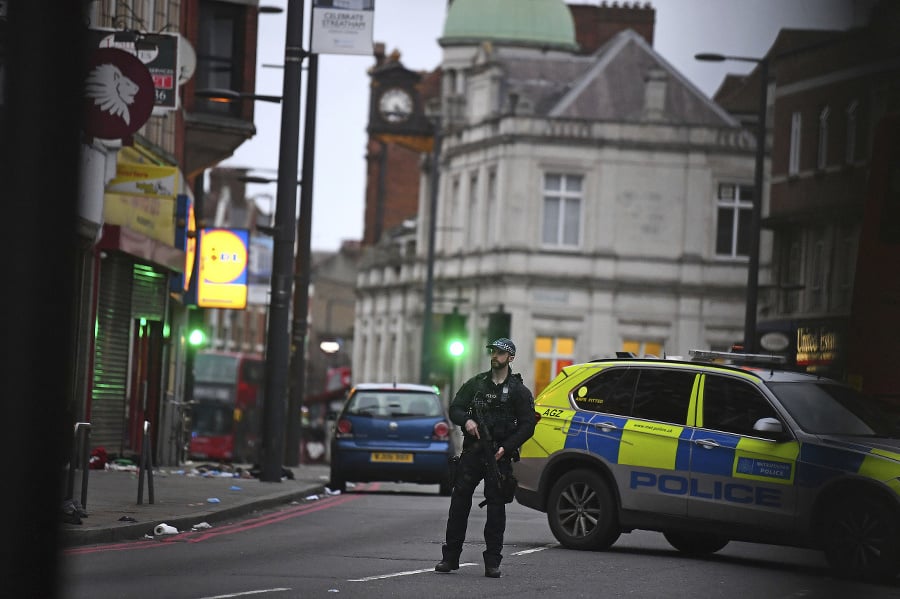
(344, 427)
(441, 431)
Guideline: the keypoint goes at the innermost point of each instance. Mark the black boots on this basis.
(446, 565)
(492, 571)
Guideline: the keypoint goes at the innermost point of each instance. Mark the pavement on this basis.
(183, 497)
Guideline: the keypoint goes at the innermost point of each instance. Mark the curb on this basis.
(74, 537)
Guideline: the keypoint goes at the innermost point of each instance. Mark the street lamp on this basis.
(756, 212)
(297, 361)
(277, 339)
(425, 367)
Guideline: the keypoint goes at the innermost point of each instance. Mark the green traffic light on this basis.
(456, 348)
(197, 337)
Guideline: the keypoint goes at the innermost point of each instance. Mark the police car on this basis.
(707, 451)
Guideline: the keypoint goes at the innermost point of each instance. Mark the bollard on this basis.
(146, 466)
(82, 435)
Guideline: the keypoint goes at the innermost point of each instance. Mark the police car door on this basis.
(653, 463)
(737, 474)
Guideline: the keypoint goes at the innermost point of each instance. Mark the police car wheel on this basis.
(861, 539)
(695, 543)
(581, 511)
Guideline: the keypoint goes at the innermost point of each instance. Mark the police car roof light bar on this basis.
(703, 355)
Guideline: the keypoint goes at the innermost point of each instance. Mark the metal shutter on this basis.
(111, 354)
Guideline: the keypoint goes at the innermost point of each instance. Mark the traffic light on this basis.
(197, 337)
(455, 338)
(197, 334)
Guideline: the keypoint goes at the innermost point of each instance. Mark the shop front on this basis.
(817, 346)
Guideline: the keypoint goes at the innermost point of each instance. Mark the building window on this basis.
(734, 207)
(220, 53)
(551, 355)
(643, 348)
(794, 159)
(562, 210)
(475, 219)
(491, 209)
(850, 145)
(817, 275)
(822, 153)
(845, 266)
(791, 273)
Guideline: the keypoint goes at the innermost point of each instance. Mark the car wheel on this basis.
(861, 539)
(582, 511)
(695, 543)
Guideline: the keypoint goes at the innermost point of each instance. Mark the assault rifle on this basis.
(505, 484)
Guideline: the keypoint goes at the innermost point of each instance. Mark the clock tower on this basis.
(396, 105)
(399, 133)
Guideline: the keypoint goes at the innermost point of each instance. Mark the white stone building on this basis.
(601, 199)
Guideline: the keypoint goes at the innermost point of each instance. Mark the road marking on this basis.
(278, 590)
(407, 573)
(234, 527)
(535, 550)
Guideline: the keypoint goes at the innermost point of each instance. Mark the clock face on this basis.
(395, 105)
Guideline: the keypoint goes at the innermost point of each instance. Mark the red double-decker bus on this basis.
(226, 408)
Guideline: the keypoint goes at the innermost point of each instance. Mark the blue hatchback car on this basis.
(393, 432)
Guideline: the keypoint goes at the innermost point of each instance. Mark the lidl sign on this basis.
(222, 276)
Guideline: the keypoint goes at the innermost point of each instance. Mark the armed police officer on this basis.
(496, 413)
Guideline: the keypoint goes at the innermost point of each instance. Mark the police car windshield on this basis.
(823, 408)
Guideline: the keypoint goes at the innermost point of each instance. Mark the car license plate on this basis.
(381, 456)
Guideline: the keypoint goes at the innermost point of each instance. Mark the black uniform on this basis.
(510, 419)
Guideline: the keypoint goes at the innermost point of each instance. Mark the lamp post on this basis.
(750, 337)
(299, 329)
(425, 371)
(277, 340)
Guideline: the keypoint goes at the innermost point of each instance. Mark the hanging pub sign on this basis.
(222, 268)
(118, 94)
(342, 26)
(158, 51)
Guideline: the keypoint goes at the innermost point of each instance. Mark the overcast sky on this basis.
(683, 28)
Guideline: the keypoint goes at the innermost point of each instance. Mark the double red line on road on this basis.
(235, 527)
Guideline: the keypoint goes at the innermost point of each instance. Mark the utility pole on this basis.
(277, 339)
(427, 334)
(301, 268)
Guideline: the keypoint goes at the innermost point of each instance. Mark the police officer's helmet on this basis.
(503, 344)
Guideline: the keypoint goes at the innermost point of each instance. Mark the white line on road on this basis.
(535, 550)
(395, 574)
(278, 590)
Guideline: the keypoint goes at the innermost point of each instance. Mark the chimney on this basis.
(596, 25)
